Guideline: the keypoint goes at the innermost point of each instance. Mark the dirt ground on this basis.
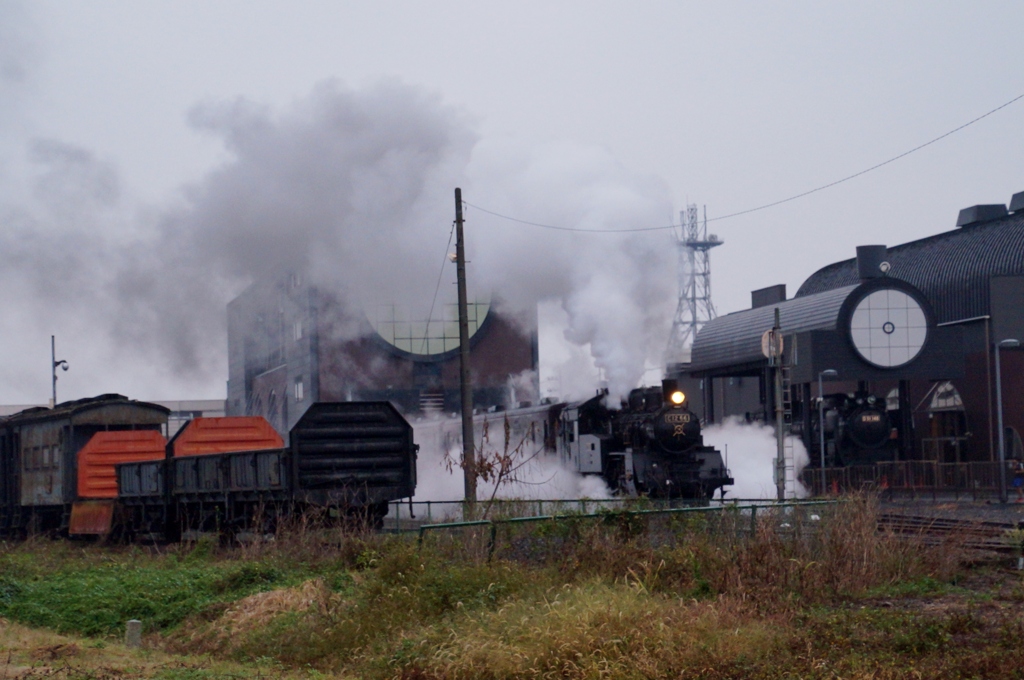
(28, 653)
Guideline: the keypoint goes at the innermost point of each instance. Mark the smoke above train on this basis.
(353, 187)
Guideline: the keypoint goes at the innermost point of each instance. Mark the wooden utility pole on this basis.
(468, 453)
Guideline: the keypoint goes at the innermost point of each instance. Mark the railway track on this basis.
(974, 534)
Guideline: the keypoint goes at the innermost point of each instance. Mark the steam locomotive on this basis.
(652, 444)
(102, 465)
(859, 430)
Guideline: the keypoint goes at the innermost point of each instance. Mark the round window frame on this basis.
(845, 317)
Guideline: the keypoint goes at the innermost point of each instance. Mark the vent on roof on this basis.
(768, 296)
(980, 213)
(871, 262)
(1017, 202)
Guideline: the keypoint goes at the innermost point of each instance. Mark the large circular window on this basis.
(398, 327)
(888, 328)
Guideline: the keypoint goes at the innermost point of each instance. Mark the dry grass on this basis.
(593, 630)
(26, 653)
(617, 597)
(252, 614)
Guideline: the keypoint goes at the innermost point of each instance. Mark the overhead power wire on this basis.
(430, 316)
(557, 228)
(766, 205)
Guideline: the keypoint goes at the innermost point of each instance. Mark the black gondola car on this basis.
(344, 455)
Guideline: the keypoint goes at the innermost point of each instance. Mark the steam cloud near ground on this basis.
(353, 186)
(751, 450)
(750, 447)
(543, 478)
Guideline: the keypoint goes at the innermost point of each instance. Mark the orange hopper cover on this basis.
(97, 477)
(222, 435)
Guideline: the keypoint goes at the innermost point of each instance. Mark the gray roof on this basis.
(735, 339)
(952, 269)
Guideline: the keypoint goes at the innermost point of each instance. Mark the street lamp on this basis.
(63, 364)
(1009, 343)
(829, 373)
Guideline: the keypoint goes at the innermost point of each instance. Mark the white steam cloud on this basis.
(543, 477)
(353, 187)
(751, 450)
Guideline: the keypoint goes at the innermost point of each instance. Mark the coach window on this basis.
(299, 392)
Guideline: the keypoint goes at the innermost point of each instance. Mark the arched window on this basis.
(946, 398)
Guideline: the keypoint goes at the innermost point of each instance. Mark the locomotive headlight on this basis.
(677, 397)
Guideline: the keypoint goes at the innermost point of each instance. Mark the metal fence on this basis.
(543, 537)
(915, 478)
(405, 516)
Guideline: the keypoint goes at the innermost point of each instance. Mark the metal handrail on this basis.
(493, 523)
(396, 507)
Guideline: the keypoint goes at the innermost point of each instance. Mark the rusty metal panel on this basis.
(210, 473)
(96, 460)
(42, 460)
(268, 470)
(243, 471)
(185, 478)
(92, 518)
(203, 436)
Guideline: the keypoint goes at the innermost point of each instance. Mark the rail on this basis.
(493, 524)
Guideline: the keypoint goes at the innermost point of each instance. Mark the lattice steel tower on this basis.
(695, 307)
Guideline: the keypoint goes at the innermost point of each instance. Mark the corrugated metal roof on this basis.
(952, 268)
(735, 338)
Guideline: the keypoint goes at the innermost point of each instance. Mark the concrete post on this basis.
(133, 634)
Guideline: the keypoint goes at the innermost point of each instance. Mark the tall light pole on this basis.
(63, 364)
(829, 373)
(1009, 343)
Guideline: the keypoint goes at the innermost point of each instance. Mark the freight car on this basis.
(345, 455)
(99, 465)
(39, 456)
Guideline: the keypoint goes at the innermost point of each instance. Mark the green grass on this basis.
(95, 591)
(604, 597)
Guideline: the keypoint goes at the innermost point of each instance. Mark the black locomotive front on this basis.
(669, 456)
(652, 445)
(859, 430)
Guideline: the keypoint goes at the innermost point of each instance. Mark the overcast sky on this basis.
(729, 105)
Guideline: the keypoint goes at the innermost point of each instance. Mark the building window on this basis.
(299, 391)
(297, 330)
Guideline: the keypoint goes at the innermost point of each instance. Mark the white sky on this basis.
(730, 104)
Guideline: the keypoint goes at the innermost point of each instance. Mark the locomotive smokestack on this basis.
(870, 261)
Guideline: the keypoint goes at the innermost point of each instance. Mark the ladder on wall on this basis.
(789, 442)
